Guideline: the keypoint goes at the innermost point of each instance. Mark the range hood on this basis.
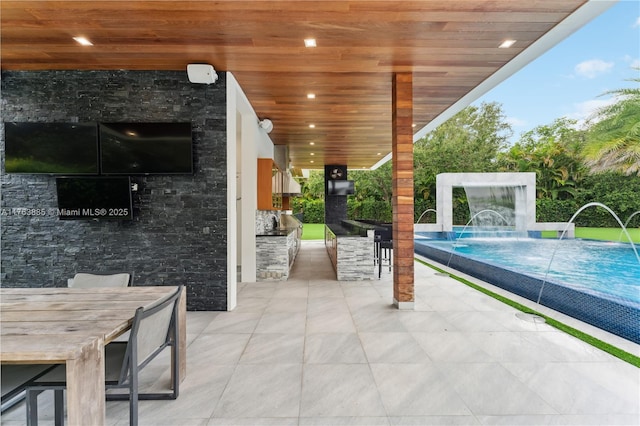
(290, 187)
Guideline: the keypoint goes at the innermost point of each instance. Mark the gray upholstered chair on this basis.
(153, 329)
(93, 280)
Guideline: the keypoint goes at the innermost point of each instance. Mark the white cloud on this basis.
(593, 68)
(637, 24)
(516, 122)
(631, 61)
(585, 110)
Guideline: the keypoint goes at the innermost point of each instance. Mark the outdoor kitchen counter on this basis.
(351, 250)
(276, 249)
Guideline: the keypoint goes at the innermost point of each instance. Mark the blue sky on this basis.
(567, 80)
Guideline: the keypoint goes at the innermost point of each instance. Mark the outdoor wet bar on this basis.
(351, 249)
(276, 246)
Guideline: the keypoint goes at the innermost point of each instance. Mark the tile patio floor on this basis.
(315, 351)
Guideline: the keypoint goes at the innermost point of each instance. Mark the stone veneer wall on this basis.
(179, 233)
(272, 258)
(355, 258)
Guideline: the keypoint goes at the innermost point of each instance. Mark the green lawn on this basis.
(607, 234)
(313, 231)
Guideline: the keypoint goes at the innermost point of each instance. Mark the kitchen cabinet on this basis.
(270, 185)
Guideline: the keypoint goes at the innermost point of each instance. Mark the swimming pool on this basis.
(596, 282)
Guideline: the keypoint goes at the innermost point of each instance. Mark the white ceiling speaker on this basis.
(201, 73)
(267, 125)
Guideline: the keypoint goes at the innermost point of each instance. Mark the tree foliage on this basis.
(373, 192)
(618, 192)
(553, 153)
(313, 187)
(614, 134)
(467, 142)
(310, 207)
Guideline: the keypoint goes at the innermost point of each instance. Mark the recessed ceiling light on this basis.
(507, 43)
(312, 153)
(312, 143)
(413, 125)
(311, 161)
(311, 95)
(309, 42)
(312, 126)
(83, 41)
(379, 153)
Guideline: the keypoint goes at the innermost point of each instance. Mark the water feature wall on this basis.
(524, 187)
(523, 198)
(497, 210)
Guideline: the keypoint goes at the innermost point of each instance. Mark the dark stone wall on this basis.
(335, 206)
(179, 232)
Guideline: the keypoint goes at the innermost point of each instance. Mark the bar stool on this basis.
(383, 248)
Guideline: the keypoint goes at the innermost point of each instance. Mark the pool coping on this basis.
(608, 315)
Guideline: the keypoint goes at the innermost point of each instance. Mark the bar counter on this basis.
(351, 250)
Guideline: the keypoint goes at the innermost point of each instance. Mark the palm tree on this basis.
(613, 139)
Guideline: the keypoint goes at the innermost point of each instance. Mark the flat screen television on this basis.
(340, 187)
(51, 148)
(145, 148)
(94, 198)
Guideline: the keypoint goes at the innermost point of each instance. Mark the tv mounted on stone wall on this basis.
(340, 187)
(145, 148)
(51, 148)
(94, 197)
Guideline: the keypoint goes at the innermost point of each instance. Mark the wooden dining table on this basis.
(71, 326)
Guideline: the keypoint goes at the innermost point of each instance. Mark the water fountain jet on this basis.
(425, 212)
(537, 318)
(626, 223)
(455, 242)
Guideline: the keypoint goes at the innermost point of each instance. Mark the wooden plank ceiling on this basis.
(449, 46)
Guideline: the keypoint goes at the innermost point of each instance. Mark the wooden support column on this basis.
(402, 162)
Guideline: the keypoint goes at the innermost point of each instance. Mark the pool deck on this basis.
(316, 351)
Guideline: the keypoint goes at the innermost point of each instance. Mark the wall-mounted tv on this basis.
(145, 148)
(51, 148)
(340, 187)
(94, 198)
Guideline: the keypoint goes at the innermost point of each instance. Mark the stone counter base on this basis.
(272, 258)
(351, 256)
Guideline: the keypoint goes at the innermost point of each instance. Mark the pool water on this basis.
(606, 269)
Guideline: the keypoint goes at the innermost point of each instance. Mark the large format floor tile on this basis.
(258, 390)
(334, 390)
(417, 390)
(313, 351)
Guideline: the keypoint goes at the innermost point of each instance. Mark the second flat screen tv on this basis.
(145, 148)
(340, 187)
